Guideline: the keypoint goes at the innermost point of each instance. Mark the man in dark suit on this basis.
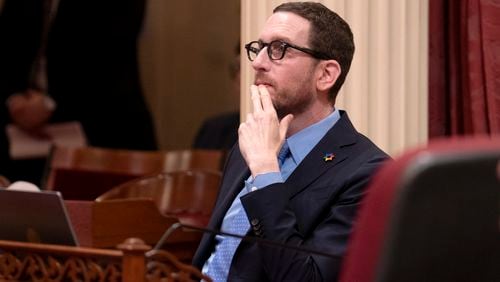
(220, 132)
(300, 169)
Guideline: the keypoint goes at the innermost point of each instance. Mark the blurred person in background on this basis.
(63, 60)
(220, 132)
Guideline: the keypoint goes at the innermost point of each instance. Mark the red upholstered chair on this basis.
(432, 214)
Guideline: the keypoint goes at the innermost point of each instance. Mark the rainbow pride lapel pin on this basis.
(329, 157)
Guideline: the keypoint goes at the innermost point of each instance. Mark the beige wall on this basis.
(386, 90)
(185, 49)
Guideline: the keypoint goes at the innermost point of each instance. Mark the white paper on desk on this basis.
(26, 146)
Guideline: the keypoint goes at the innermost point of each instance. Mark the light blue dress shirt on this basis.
(300, 144)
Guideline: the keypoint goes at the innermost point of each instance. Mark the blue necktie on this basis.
(283, 154)
(286, 161)
(219, 266)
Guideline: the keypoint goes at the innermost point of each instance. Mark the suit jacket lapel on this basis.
(229, 190)
(314, 165)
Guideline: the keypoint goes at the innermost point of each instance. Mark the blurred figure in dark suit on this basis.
(220, 132)
(89, 53)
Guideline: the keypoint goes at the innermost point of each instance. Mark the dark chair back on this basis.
(431, 215)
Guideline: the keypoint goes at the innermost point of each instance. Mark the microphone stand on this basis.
(258, 240)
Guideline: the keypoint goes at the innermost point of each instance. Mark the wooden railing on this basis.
(132, 260)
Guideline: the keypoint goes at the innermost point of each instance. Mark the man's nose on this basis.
(262, 60)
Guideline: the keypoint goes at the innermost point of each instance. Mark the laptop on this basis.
(37, 217)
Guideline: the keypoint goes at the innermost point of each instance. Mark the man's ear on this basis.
(329, 73)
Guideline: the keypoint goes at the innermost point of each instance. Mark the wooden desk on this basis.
(108, 223)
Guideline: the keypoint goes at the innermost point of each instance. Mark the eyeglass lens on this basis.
(275, 49)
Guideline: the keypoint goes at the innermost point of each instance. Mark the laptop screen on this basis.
(37, 217)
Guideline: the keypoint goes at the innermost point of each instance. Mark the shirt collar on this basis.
(302, 142)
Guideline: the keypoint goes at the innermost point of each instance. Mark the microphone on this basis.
(257, 240)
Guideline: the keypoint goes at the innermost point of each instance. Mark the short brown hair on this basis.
(329, 34)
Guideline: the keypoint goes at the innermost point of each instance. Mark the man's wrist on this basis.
(262, 180)
(264, 167)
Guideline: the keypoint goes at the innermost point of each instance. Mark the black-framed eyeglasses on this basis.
(276, 50)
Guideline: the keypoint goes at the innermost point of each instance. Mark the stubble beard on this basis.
(297, 103)
(294, 100)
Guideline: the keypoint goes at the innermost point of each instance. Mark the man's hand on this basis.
(262, 134)
(30, 110)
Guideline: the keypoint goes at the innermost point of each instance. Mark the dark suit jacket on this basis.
(314, 208)
(219, 132)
